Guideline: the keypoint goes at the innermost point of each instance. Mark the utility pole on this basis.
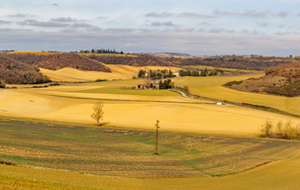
(156, 138)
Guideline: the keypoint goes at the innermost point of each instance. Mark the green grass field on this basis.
(93, 150)
(129, 91)
(127, 153)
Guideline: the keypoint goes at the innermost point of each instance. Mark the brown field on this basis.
(139, 109)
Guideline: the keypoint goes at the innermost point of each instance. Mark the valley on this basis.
(205, 140)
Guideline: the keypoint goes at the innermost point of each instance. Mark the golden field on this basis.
(74, 104)
(139, 109)
(33, 52)
(211, 88)
(118, 72)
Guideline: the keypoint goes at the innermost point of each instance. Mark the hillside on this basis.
(117, 72)
(59, 61)
(233, 62)
(16, 72)
(140, 60)
(283, 80)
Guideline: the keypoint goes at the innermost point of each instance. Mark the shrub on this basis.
(287, 130)
(2, 84)
(233, 83)
(266, 129)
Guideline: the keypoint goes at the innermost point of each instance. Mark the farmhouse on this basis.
(176, 74)
(149, 85)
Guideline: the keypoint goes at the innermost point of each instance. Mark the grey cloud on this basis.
(119, 30)
(221, 30)
(82, 25)
(95, 29)
(282, 14)
(55, 4)
(205, 24)
(156, 14)
(88, 27)
(193, 14)
(19, 15)
(162, 24)
(183, 14)
(262, 24)
(218, 12)
(216, 30)
(129, 40)
(186, 30)
(254, 13)
(215, 13)
(74, 30)
(101, 17)
(250, 13)
(230, 31)
(3, 22)
(282, 33)
(41, 24)
(63, 19)
(254, 32)
(245, 31)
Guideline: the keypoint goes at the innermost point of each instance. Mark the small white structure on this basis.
(219, 103)
(176, 74)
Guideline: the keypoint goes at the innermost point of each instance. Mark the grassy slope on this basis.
(211, 87)
(118, 72)
(78, 148)
(138, 111)
(31, 103)
(281, 175)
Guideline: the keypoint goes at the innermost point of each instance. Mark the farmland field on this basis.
(201, 143)
(128, 153)
(210, 87)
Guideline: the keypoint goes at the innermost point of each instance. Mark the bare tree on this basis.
(156, 138)
(98, 113)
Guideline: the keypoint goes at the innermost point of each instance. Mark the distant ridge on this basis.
(60, 60)
(171, 54)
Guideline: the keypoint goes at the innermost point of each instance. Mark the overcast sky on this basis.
(197, 27)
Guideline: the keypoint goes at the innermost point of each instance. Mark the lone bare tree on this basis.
(156, 138)
(98, 113)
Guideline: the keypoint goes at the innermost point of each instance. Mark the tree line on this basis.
(155, 74)
(287, 130)
(233, 61)
(200, 72)
(102, 51)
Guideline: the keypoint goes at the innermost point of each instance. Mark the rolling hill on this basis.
(15, 72)
(283, 80)
(60, 60)
(133, 111)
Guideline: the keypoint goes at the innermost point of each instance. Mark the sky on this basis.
(196, 27)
